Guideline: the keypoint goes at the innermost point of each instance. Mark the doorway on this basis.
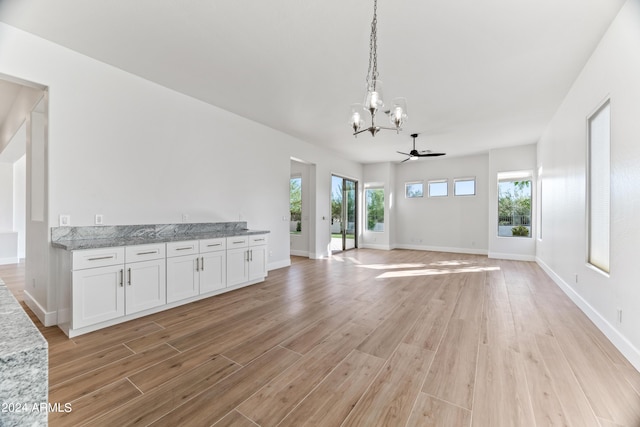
(344, 213)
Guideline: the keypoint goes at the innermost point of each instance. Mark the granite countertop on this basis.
(23, 363)
(77, 238)
(73, 245)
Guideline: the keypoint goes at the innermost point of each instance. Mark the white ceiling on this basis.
(476, 74)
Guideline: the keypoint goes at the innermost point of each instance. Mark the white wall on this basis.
(136, 152)
(453, 224)
(612, 71)
(19, 202)
(6, 196)
(514, 159)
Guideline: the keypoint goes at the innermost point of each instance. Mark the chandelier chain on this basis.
(372, 72)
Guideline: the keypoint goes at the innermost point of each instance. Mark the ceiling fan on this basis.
(415, 154)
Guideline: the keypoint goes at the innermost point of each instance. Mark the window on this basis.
(413, 189)
(375, 209)
(514, 206)
(295, 204)
(598, 187)
(438, 188)
(464, 187)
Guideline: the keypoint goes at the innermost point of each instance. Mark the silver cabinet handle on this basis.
(185, 248)
(197, 264)
(238, 242)
(258, 240)
(251, 254)
(147, 253)
(101, 257)
(215, 244)
(121, 277)
(247, 255)
(202, 264)
(129, 280)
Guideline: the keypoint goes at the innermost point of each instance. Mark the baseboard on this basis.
(628, 350)
(10, 260)
(442, 249)
(374, 246)
(513, 257)
(279, 264)
(299, 253)
(47, 318)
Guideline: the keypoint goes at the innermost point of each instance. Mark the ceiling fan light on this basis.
(398, 113)
(413, 158)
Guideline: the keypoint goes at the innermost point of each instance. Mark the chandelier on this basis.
(373, 101)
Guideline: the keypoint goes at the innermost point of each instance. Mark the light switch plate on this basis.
(99, 219)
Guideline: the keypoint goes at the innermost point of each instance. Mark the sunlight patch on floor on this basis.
(434, 272)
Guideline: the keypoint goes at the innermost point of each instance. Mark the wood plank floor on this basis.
(365, 338)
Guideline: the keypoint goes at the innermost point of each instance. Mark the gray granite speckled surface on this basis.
(23, 366)
(91, 237)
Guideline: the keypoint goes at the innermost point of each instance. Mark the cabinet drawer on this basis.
(237, 242)
(213, 245)
(258, 239)
(144, 252)
(92, 258)
(188, 247)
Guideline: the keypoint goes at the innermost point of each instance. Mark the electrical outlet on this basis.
(99, 220)
(576, 277)
(619, 310)
(64, 220)
(185, 217)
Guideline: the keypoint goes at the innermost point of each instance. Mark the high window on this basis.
(599, 187)
(439, 188)
(413, 189)
(464, 187)
(375, 209)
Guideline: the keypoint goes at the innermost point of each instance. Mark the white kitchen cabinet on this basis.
(213, 265)
(97, 295)
(247, 259)
(195, 267)
(182, 276)
(106, 286)
(114, 282)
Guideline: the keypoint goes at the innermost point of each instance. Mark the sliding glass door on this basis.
(344, 213)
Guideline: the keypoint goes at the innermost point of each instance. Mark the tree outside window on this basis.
(295, 204)
(514, 208)
(375, 209)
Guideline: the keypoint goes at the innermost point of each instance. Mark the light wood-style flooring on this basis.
(365, 338)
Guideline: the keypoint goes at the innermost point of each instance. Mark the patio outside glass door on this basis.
(344, 208)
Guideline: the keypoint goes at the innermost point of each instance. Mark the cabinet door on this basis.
(146, 285)
(237, 266)
(97, 295)
(182, 278)
(213, 271)
(257, 262)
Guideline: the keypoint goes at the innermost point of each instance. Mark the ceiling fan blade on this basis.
(431, 154)
(408, 158)
(406, 154)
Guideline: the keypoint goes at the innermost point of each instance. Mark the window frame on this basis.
(465, 179)
(444, 181)
(514, 177)
(600, 265)
(366, 208)
(409, 183)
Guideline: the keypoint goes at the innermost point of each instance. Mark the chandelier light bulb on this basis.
(398, 114)
(356, 121)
